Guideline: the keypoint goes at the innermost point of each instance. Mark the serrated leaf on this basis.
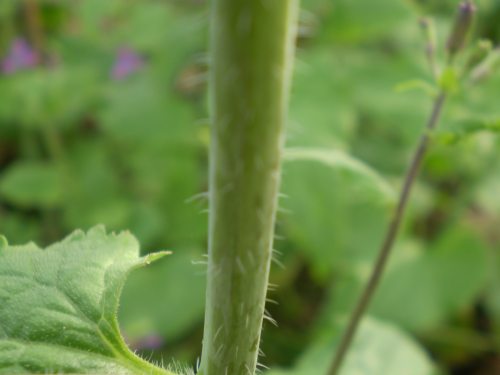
(58, 305)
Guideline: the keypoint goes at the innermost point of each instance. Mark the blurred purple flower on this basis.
(150, 342)
(127, 62)
(21, 56)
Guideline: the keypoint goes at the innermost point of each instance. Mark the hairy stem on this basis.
(390, 236)
(252, 52)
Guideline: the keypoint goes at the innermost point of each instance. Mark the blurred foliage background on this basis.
(103, 119)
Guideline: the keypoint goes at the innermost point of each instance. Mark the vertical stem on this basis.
(252, 53)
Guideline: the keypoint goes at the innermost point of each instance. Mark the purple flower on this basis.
(127, 62)
(149, 342)
(21, 56)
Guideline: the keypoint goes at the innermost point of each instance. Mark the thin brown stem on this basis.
(34, 24)
(387, 245)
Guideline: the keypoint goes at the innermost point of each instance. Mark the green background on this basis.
(78, 148)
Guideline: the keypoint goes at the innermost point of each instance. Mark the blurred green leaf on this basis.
(364, 21)
(436, 283)
(417, 84)
(145, 28)
(465, 129)
(326, 118)
(97, 193)
(486, 195)
(379, 349)
(137, 110)
(43, 96)
(342, 160)
(337, 206)
(32, 184)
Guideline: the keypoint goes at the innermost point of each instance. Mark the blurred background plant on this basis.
(103, 119)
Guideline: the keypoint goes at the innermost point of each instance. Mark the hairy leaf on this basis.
(58, 305)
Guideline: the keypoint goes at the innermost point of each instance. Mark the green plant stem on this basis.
(390, 236)
(252, 45)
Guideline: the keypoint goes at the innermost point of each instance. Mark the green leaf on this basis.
(44, 99)
(416, 84)
(137, 111)
(364, 21)
(58, 305)
(446, 278)
(325, 118)
(379, 349)
(486, 196)
(465, 129)
(92, 170)
(340, 159)
(32, 184)
(338, 207)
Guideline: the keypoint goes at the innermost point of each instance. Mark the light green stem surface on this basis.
(252, 44)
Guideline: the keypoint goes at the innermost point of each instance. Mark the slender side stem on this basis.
(387, 245)
(456, 42)
(252, 53)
